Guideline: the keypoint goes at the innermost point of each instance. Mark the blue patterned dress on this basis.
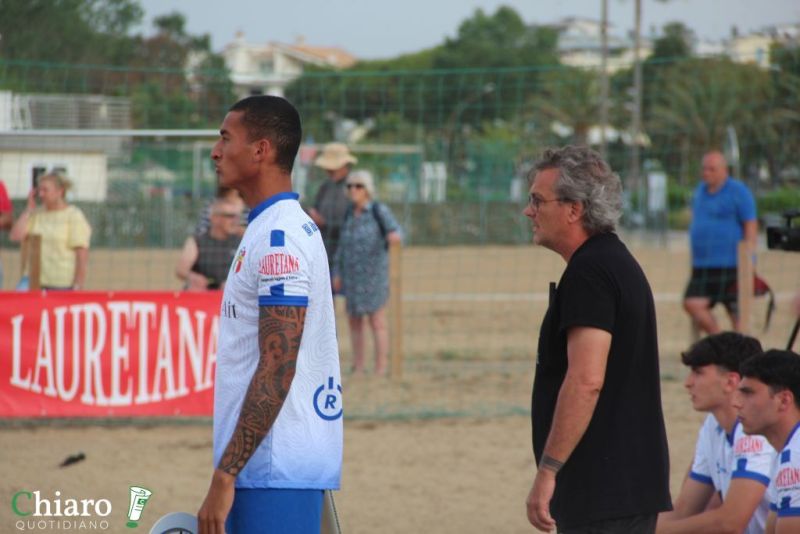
(362, 260)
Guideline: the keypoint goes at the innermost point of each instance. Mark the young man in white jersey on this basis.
(769, 405)
(728, 464)
(277, 391)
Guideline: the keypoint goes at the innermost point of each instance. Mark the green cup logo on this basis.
(139, 498)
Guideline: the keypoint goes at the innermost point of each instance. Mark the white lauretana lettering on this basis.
(113, 354)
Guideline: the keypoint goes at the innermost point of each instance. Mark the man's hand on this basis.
(538, 501)
(196, 282)
(30, 205)
(217, 505)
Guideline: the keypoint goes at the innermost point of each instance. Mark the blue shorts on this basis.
(275, 511)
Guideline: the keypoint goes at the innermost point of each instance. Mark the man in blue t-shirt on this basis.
(723, 213)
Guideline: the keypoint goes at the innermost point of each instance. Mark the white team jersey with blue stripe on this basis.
(281, 261)
(785, 488)
(719, 458)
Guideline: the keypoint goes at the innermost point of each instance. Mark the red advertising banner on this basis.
(101, 354)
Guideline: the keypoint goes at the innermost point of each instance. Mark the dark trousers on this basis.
(636, 524)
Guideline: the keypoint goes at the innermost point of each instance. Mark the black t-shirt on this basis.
(332, 203)
(620, 467)
(214, 257)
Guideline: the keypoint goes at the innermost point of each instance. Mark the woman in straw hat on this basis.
(361, 268)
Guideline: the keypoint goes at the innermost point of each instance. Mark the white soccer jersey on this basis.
(785, 488)
(281, 261)
(720, 457)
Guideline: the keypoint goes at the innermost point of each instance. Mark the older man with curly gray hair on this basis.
(598, 426)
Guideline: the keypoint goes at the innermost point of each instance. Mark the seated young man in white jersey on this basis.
(728, 464)
(769, 405)
(277, 390)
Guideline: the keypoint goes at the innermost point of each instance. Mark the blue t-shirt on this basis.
(718, 223)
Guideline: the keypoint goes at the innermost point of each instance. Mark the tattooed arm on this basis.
(279, 331)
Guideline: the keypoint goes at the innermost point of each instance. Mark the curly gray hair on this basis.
(583, 176)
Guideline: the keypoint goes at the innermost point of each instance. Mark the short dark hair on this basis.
(778, 369)
(727, 349)
(276, 119)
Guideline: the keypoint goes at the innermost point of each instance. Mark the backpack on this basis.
(375, 215)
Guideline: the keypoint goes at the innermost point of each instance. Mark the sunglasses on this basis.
(536, 201)
(356, 186)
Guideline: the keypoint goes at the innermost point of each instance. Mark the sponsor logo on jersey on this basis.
(239, 260)
(748, 444)
(278, 263)
(787, 477)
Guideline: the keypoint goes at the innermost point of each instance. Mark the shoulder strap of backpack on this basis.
(378, 218)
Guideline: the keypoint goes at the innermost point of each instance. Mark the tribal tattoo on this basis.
(551, 464)
(279, 331)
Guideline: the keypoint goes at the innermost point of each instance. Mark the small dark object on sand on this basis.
(72, 459)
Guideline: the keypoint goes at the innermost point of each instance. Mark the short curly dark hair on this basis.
(727, 349)
(778, 369)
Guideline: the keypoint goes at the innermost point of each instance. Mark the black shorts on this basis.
(715, 284)
(638, 524)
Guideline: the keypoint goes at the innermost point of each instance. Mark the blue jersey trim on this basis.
(791, 434)
(703, 479)
(788, 512)
(758, 477)
(281, 300)
(773, 507)
(730, 436)
(255, 212)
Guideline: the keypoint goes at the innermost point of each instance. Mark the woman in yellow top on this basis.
(64, 230)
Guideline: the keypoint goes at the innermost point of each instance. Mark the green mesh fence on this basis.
(451, 151)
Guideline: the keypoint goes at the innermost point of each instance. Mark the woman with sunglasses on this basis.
(361, 268)
(64, 230)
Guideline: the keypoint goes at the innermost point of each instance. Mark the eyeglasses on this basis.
(357, 186)
(535, 201)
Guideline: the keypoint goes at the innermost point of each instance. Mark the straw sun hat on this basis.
(335, 156)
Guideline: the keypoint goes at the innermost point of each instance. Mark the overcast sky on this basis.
(383, 28)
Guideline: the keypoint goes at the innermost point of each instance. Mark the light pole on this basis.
(604, 78)
(636, 122)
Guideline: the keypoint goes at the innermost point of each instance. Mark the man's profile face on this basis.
(338, 174)
(706, 386)
(757, 405)
(233, 152)
(547, 213)
(225, 217)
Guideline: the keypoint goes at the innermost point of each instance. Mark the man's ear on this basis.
(262, 149)
(732, 379)
(575, 211)
(786, 399)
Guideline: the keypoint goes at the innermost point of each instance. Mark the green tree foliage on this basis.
(86, 46)
(495, 41)
(571, 97)
(488, 65)
(67, 31)
(698, 100)
(674, 43)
